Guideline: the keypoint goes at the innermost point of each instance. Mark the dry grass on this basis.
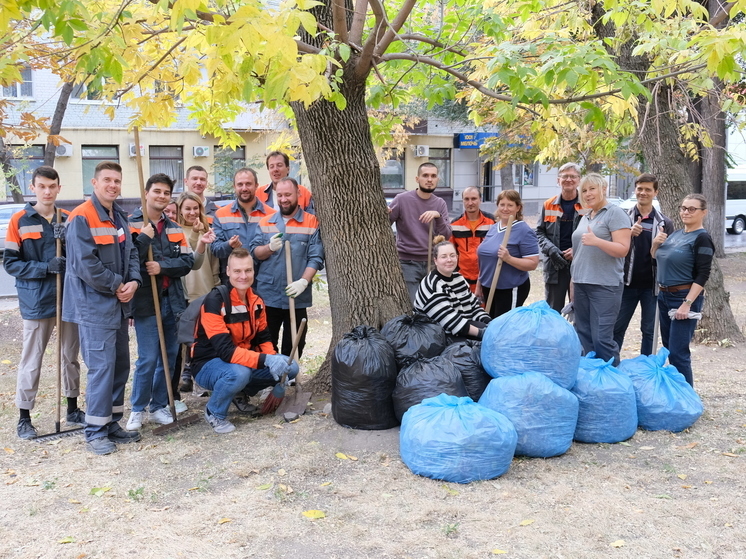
(197, 494)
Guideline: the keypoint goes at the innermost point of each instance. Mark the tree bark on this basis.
(56, 126)
(506, 177)
(713, 170)
(366, 285)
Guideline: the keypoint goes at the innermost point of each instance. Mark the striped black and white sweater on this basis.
(449, 302)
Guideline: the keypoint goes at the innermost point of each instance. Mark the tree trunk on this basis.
(713, 170)
(366, 285)
(56, 126)
(506, 177)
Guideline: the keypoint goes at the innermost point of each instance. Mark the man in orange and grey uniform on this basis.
(102, 275)
(467, 232)
(278, 165)
(559, 218)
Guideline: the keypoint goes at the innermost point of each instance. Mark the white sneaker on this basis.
(134, 423)
(162, 416)
(180, 406)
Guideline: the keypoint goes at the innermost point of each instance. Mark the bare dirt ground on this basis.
(197, 494)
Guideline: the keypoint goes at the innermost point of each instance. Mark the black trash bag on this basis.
(412, 335)
(363, 380)
(467, 359)
(426, 378)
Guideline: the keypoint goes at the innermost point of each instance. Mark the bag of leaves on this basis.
(412, 335)
(425, 378)
(665, 401)
(608, 407)
(363, 380)
(532, 338)
(543, 413)
(456, 439)
(467, 359)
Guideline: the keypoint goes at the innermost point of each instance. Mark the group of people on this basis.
(110, 262)
(602, 259)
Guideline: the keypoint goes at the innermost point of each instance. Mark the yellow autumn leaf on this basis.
(341, 456)
(527, 522)
(5, 362)
(730, 454)
(73, 501)
(618, 543)
(314, 514)
(68, 539)
(9, 450)
(193, 489)
(708, 482)
(682, 476)
(224, 520)
(498, 552)
(325, 484)
(264, 487)
(281, 472)
(449, 490)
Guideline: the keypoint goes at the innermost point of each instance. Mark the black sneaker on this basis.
(101, 445)
(76, 418)
(186, 384)
(241, 401)
(121, 436)
(25, 430)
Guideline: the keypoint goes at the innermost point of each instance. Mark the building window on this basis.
(441, 158)
(524, 175)
(92, 156)
(25, 161)
(392, 171)
(21, 89)
(226, 163)
(90, 91)
(170, 161)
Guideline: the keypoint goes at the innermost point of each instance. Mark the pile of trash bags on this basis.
(467, 408)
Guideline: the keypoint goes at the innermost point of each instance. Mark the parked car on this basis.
(629, 203)
(6, 212)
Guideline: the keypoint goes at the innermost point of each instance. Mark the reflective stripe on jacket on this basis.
(29, 246)
(232, 220)
(548, 234)
(467, 241)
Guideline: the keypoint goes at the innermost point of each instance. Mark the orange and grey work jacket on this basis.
(548, 235)
(466, 236)
(305, 200)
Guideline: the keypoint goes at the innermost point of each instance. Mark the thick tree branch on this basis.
(429, 41)
(722, 15)
(394, 26)
(358, 21)
(365, 62)
(339, 20)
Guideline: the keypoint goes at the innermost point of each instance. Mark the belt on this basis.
(674, 288)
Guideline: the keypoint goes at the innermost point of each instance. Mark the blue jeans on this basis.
(676, 334)
(596, 308)
(226, 380)
(106, 353)
(149, 382)
(630, 297)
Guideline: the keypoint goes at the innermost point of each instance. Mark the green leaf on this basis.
(344, 52)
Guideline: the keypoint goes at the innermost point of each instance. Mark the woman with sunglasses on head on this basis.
(684, 260)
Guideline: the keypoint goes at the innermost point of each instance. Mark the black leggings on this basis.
(507, 299)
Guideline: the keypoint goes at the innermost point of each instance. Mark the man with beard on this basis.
(172, 259)
(302, 230)
(196, 182)
(237, 224)
(278, 165)
(412, 211)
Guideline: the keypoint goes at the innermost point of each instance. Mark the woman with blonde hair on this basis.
(599, 245)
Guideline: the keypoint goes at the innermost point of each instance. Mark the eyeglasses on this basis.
(565, 177)
(688, 209)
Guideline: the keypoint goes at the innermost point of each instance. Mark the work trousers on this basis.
(106, 353)
(596, 310)
(36, 334)
(630, 297)
(413, 271)
(555, 293)
(280, 318)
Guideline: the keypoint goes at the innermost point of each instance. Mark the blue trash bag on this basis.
(425, 378)
(608, 406)
(456, 439)
(665, 401)
(533, 338)
(363, 380)
(543, 413)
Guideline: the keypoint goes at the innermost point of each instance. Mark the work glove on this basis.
(278, 365)
(59, 231)
(296, 288)
(293, 370)
(275, 242)
(557, 259)
(56, 265)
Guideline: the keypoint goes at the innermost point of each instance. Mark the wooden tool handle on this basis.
(499, 266)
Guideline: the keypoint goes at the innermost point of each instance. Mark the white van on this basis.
(735, 201)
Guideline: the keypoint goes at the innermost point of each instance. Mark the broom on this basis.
(275, 397)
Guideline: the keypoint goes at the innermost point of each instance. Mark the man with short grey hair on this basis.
(559, 218)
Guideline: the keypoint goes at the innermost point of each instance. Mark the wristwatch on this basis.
(688, 302)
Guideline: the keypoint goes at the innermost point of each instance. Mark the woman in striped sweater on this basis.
(445, 297)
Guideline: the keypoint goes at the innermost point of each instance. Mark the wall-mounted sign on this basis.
(471, 140)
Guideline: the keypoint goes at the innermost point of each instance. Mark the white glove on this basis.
(275, 243)
(296, 288)
(692, 315)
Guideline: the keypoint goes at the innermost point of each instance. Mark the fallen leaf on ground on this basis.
(314, 514)
(73, 501)
(5, 362)
(618, 543)
(647, 448)
(686, 486)
(99, 491)
(728, 525)
(498, 552)
(449, 490)
(68, 539)
(341, 456)
(527, 522)
(9, 450)
(691, 445)
(708, 482)
(353, 458)
(264, 487)
(325, 484)
(281, 472)
(681, 476)
(730, 454)
(224, 520)
(193, 489)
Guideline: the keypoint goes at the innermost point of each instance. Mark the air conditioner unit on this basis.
(63, 150)
(133, 150)
(422, 151)
(201, 151)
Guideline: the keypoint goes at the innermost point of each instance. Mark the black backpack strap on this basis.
(225, 293)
